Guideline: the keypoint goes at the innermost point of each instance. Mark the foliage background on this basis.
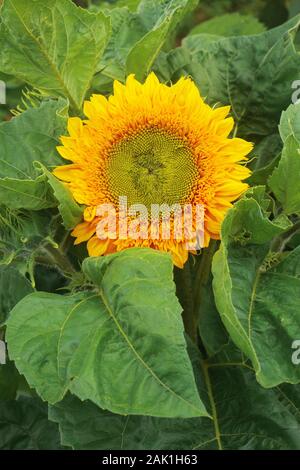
(81, 332)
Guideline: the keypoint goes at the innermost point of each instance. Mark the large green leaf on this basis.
(143, 54)
(231, 24)
(31, 136)
(137, 37)
(121, 346)
(24, 425)
(33, 335)
(13, 287)
(255, 292)
(32, 194)
(161, 18)
(253, 74)
(52, 45)
(127, 30)
(85, 426)
(269, 421)
(284, 180)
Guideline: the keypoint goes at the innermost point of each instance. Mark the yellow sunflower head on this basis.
(154, 145)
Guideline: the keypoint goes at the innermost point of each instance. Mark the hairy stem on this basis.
(57, 258)
(281, 241)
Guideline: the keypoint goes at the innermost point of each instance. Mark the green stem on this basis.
(8, 224)
(183, 279)
(235, 131)
(203, 272)
(56, 257)
(65, 243)
(189, 289)
(281, 241)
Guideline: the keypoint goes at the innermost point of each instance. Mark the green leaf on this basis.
(52, 45)
(265, 155)
(174, 64)
(161, 19)
(247, 222)
(231, 24)
(122, 346)
(132, 5)
(33, 335)
(269, 421)
(255, 292)
(137, 38)
(28, 194)
(24, 425)
(153, 11)
(284, 181)
(69, 210)
(290, 123)
(143, 54)
(104, 430)
(13, 287)
(290, 397)
(293, 7)
(265, 423)
(253, 74)
(31, 136)
(130, 300)
(127, 30)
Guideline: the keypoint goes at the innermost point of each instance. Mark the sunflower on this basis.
(153, 144)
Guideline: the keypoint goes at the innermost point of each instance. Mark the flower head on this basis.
(155, 145)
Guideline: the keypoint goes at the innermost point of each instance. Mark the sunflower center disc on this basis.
(152, 167)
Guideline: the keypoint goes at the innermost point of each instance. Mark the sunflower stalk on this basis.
(189, 289)
(184, 287)
(201, 280)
